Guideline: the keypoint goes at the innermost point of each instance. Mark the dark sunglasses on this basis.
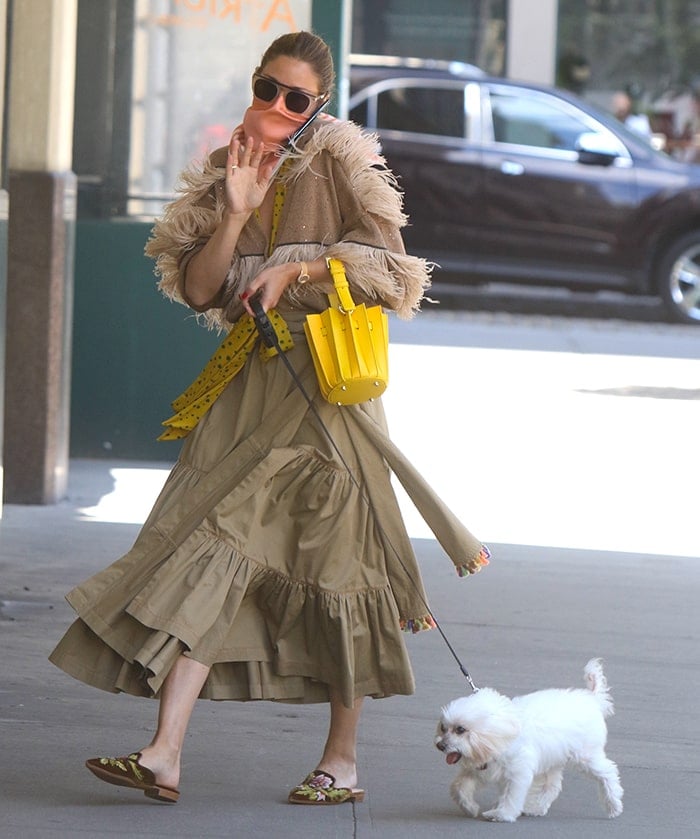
(295, 100)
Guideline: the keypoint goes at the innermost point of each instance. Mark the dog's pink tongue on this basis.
(453, 757)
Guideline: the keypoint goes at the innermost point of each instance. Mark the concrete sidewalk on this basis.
(531, 620)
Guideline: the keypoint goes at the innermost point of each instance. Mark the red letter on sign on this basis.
(273, 14)
(232, 7)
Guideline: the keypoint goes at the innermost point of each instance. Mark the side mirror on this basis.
(596, 149)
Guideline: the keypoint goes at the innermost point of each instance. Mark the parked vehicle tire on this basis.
(678, 279)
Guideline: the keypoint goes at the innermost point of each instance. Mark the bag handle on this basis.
(342, 289)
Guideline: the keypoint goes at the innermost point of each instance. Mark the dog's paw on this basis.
(498, 815)
(463, 796)
(466, 804)
(469, 809)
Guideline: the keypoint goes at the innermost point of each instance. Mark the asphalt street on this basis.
(570, 446)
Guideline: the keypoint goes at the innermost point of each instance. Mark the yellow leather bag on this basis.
(349, 345)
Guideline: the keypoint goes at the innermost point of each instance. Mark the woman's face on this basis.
(285, 95)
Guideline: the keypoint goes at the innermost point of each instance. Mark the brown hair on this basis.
(304, 46)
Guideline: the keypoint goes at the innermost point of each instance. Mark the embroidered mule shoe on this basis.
(128, 772)
(319, 788)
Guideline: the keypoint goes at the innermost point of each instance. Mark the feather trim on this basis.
(187, 221)
(374, 273)
(397, 279)
(367, 170)
(371, 271)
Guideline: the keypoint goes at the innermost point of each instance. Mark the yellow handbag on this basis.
(349, 345)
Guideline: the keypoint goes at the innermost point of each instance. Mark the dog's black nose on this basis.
(441, 746)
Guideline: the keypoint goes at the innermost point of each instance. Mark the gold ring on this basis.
(234, 167)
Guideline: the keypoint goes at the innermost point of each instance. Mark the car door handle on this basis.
(510, 167)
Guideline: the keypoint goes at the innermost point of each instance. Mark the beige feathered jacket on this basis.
(341, 201)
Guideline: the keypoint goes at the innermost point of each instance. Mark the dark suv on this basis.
(507, 181)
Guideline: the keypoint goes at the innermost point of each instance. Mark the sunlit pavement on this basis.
(585, 448)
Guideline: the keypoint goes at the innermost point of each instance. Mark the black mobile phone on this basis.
(289, 145)
(292, 140)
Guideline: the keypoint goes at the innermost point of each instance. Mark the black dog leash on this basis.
(269, 338)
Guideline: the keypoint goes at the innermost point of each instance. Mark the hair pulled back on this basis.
(307, 47)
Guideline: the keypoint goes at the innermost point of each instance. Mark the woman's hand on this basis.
(248, 175)
(271, 283)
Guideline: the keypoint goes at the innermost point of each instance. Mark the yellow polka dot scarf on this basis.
(229, 358)
(227, 362)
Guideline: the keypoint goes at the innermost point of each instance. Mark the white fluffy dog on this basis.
(523, 744)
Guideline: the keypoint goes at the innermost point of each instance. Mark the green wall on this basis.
(133, 350)
(327, 20)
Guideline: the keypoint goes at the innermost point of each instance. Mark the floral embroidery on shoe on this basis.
(129, 772)
(121, 763)
(319, 787)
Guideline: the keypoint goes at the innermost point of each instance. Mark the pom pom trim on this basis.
(475, 565)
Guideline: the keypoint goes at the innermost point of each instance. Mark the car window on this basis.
(425, 110)
(358, 113)
(535, 121)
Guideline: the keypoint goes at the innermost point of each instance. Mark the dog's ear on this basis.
(482, 747)
(494, 738)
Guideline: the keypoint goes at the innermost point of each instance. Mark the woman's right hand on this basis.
(248, 175)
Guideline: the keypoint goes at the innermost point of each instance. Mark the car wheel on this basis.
(679, 279)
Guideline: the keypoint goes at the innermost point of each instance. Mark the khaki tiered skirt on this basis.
(263, 558)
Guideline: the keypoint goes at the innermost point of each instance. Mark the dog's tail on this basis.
(597, 683)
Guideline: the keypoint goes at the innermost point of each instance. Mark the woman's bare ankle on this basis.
(344, 772)
(165, 764)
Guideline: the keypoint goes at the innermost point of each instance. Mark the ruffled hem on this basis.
(85, 656)
(265, 635)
